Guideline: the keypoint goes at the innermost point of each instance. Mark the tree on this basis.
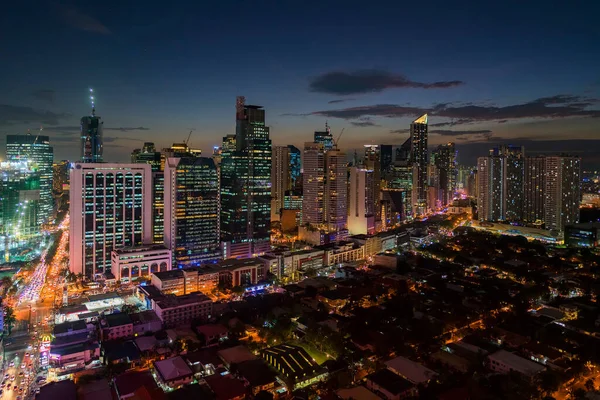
(549, 381)
(579, 394)
(6, 283)
(9, 318)
(129, 309)
(589, 385)
(238, 290)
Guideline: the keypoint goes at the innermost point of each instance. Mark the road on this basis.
(33, 308)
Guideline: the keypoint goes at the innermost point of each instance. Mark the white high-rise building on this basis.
(361, 201)
(562, 191)
(110, 208)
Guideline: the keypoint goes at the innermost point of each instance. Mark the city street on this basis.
(33, 308)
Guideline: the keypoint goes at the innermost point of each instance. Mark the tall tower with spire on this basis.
(91, 135)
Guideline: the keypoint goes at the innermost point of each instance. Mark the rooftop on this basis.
(129, 382)
(64, 390)
(173, 368)
(143, 317)
(293, 361)
(225, 387)
(516, 362)
(357, 393)
(117, 319)
(391, 382)
(166, 275)
(69, 327)
(256, 372)
(72, 349)
(236, 355)
(103, 296)
(135, 249)
(74, 309)
(176, 301)
(146, 343)
(410, 370)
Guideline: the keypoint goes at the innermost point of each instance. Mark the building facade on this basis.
(131, 263)
(361, 202)
(92, 139)
(534, 186)
(246, 185)
(563, 191)
(313, 183)
(37, 150)
(280, 179)
(192, 210)
(110, 208)
(419, 159)
(20, 205)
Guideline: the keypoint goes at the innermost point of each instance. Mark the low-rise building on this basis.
(128, 384)
(390, 386)
(131, 263)
(583, 235)
(410, 370)
(72, 358)
(173, 372)
(343, 252)
(116, 326)
(145, 321)
(70, 328)
(297, 368)
(181, 310)
(504, 362)
(258, 375)
(169, 282)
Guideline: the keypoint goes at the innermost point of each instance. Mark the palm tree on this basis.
(9, 318)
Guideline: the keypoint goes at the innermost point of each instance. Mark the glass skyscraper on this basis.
(92, 139)
(37, 150)
(419, 159)
(19, 200)
(147, 154)
(191, 218)
(325, 138)
(295, 166)
(246, 185)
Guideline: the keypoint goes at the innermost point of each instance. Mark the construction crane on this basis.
(335, 144)
(188, 138)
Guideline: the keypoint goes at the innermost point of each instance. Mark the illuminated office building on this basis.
(21, 200)
(37, 150)
(490, 181)
(295, 167)
(336, 190)
(313, 183)
(191, 210)
(514, 175)
(280, 178)
(444, 158)
(361, 203)
(419, 160)
(92, 137)
(147, 154)
(325, 138)
(246, 185)
(110, 208)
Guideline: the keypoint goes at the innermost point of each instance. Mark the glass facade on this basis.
(419, 159)
(295, 166)
(37, 150)
(192, 210)
(246, 185)
(92, 139)
(19, 200)
(148, 155)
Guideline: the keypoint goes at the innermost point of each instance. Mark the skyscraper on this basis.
(361, 203)
(147, 154)
(110, 207)
(336, 190)
(191, 228)
(513, 158)
(37, 150)
(399, 176)
(325, 138)
(386, 156)
(562, 191)
(490, 200)
(419, 159)
(92, 137)
(372, 162)
(280, 177)
(444, 158)
(295, 167)
(313, 183)
(534, 187)
(20, 195)
(246, 185)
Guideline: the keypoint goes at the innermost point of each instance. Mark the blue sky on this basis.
(519, 72)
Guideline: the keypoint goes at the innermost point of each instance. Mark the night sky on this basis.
(523, 72)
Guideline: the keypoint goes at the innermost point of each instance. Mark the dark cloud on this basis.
(339, 101)
(79, 20)
(363, 124)
(112, 139)
(443, 132)
(405, 130)
(561, 106)
(10, 115)
(139, 128)
(369, 81)
(45, 95)
(77, 128)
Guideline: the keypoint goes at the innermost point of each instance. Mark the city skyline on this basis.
(485, 89)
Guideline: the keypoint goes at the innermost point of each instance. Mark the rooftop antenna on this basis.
(93, 105)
